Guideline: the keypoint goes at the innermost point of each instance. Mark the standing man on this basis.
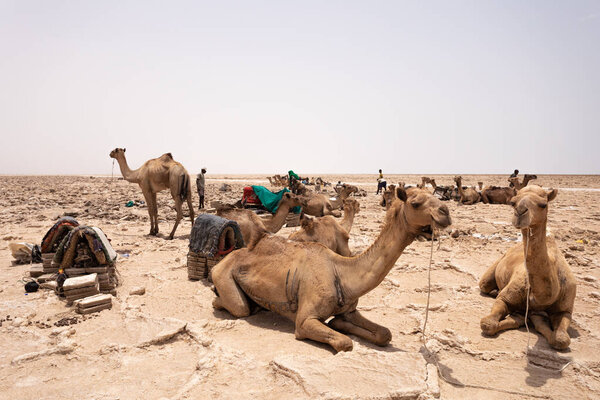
(381, 183)
(200, 185)
(513, 175)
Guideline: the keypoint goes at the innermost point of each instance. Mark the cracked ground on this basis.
(169, 343)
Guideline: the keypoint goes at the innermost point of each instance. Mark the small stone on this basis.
(595, 295)
(589, 278)
(137, 291)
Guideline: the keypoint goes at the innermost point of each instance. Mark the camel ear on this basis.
(401, 193)
(124, 149)
(306, 222)
(552, 194)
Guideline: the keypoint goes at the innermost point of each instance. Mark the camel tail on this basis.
(184, 186)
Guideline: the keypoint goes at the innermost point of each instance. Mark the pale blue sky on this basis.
(316, 86)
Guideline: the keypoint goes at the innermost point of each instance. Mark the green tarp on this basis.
(271, 200)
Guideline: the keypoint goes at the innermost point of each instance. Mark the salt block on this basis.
(137, 291)
(353, 375)
(94, 309)
(91, 301)
(81, 281)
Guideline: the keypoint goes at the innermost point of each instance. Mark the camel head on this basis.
(531, 206)
(458, 180)
(117, 151)
(422, 209)
(528, 177)
(291, 199)
(351, 205)
(480, 185)
(307, 223)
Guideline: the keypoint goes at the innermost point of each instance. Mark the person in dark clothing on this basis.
(200, 186)
(514, 175)
(381, 183)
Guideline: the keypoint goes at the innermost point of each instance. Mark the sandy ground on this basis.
(170, 343)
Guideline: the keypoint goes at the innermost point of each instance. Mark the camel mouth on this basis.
(441, 223)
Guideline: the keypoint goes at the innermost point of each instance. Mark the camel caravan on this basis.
(312, 276)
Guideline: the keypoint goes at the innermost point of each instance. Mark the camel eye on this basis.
(511, 203)
(416, 204)
(542, 205)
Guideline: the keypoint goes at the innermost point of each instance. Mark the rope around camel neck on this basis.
(434, 356)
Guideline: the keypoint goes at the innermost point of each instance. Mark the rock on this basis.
(455, 233)
(576, 247)
(595, 295)
(137, 291)
(589, 278)
(351, 375)
(433, 384)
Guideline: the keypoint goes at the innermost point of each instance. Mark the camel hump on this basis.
(167, 156)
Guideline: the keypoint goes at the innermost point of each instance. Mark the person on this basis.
(293, 179)
(200, 185)
(513, 175)
(381, 183)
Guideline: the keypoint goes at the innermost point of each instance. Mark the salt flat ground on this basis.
(170, 343)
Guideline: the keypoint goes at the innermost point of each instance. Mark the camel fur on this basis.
(308, 283)
(552, 283)
(154, 176)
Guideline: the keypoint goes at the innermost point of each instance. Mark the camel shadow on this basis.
(545, 363)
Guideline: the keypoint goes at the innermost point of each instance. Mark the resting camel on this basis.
(327, 231)
(318, 205)
(252, 226)
(520, 185)
(467, 195)
(308, 283)
(553, 285)
(497, 194)
(441, 192)
(154, 176)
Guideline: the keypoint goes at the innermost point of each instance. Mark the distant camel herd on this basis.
(313, 276)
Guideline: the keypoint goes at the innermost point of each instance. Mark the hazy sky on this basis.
(315, 86)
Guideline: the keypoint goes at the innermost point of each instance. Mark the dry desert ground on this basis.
(169, 343)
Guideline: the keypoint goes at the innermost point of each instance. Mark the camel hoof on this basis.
(489, 327)
(383, 337)
(343, 344)
(561, 341)
(217, 304)
(170, 237)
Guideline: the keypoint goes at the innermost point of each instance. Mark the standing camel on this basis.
(154, 176)
(552, 283)
(308, 283)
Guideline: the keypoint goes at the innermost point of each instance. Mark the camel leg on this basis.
(484, 198)
(230, 297)
(487, 283)
(356, 324)
(560, 324)
(150, 205)
(495, 321)
(312, 328)
(179, 209)
(154, 213)
(542, 326)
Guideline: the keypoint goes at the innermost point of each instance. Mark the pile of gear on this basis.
(212, 238)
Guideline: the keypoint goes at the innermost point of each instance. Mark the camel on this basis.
(441, 192)
(318, 205)
(388, 196)
(308, 283)
(154, 176)
(252, 226)
(467, 195)
(327, 231)
(520, 185)
(497, 194)
(551, 281)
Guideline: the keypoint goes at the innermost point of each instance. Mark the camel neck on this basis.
(348, 220)
(361, 274)
(542, 273)
(128, 174)
(275, 224)
(460, 189)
